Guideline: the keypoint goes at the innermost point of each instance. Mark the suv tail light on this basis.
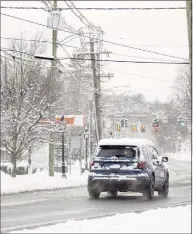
(91, 163)
(141, 165)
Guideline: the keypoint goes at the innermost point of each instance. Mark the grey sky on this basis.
(163, 31)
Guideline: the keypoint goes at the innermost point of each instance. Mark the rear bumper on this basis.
(118, 183)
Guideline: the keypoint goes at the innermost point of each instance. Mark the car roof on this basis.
(125, 142)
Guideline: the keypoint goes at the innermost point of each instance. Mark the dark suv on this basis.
(128, 165)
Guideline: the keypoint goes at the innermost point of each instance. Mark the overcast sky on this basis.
(163, 31)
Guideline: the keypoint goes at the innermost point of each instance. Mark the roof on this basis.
(125, 142)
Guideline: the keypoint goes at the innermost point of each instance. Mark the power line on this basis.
(110, 42)
(44, 41)
(125, 61)
(108, 60)
(95, 8)
(32, 22)
(142, 57)
(80, 16)
(144, 50)
(21, 52)
(30, 65)
(134, 74)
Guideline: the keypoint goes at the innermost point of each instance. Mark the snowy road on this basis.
(31, 210)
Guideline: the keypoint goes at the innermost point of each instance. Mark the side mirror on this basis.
(164, 159)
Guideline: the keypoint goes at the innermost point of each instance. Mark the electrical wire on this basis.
(144, 50)
(134, 74)
(165, 62)
(125, 61)
(81, 16)
(7, 49)
(45, 41)
(13, 60)
(96, 8)
(110, 42)
(125, 55)
(33, 22)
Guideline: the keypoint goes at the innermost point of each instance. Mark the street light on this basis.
(86, 136)
(45, 57)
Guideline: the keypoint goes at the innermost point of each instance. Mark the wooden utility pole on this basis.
(96, 87)
(54, 48)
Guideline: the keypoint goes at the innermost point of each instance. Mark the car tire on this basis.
(163, 192)
(94, 194)
(112, 193)
(148, 194)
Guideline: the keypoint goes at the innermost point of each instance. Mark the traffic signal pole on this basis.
(63, 158)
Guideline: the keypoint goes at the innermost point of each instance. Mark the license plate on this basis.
(115, 166)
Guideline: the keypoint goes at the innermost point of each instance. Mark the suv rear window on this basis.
(107, 151)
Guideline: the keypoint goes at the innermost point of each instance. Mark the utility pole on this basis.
(96, 87)
(54, 48)
(189, 26)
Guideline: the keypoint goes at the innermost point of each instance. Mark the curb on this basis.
(42, 190)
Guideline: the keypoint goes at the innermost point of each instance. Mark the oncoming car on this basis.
(128, 165)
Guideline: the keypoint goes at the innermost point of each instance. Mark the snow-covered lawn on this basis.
(168, 220)
(41, 181)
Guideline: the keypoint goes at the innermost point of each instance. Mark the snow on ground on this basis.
(168, 220)
(181, 156)
(41, 181)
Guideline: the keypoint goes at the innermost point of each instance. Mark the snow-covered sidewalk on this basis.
(41, 181)
(168, 220)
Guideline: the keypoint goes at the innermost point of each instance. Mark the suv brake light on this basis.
(91, 164)
(141, 165)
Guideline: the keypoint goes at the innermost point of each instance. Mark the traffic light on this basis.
(126, 123)
(133, 128)
(118, 128)
(104, 123)
(155, 123)
(156, 129)
(101, 107)
(143, 129)
(180, 122)
(122, 123)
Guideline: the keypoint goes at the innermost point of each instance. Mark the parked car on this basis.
(128, 165)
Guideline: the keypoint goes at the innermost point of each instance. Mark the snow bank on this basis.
(181, 156)
(170, 220)
(41, 181)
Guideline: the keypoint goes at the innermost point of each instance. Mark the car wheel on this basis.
(148, 194)
(165, 188)
(112, 193)
(94, 194)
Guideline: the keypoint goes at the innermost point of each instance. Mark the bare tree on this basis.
(182, 91)
(28, 92)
